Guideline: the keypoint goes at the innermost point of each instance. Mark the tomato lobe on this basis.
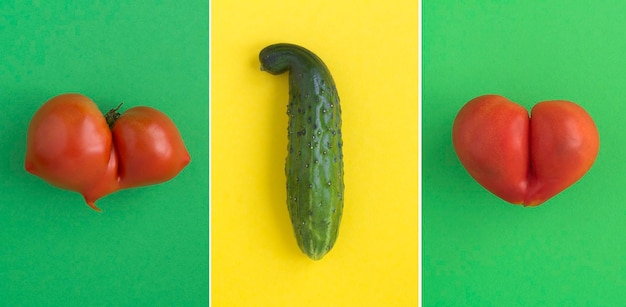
(58, 145)
(150, 147)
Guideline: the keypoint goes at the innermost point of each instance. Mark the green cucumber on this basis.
(314, 164)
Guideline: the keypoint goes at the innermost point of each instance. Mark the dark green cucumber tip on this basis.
(316, 254)
(278, 58)
(316, 257)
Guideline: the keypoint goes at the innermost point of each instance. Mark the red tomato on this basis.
(70, 145)
(521, 159)
(149, 147)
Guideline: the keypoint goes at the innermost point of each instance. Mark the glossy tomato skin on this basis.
(150, 147)
(108, 184)
(564, 145)
(69, 145)
(490, 136)
(524, 160)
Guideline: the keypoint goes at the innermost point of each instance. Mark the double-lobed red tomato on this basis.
(71, 146)
(521, 159)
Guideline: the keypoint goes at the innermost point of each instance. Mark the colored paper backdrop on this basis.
(149, 246)
(371, 50)
(477, 249)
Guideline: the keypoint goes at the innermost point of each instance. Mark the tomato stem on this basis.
(113, 115)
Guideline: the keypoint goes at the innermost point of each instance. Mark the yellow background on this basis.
(371, 49)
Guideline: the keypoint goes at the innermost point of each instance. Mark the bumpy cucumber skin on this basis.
(314, 164)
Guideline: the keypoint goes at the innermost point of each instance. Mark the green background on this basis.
(477, 249)
(149, 246)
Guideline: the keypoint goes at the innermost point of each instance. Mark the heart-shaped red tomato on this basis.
(521, 159)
